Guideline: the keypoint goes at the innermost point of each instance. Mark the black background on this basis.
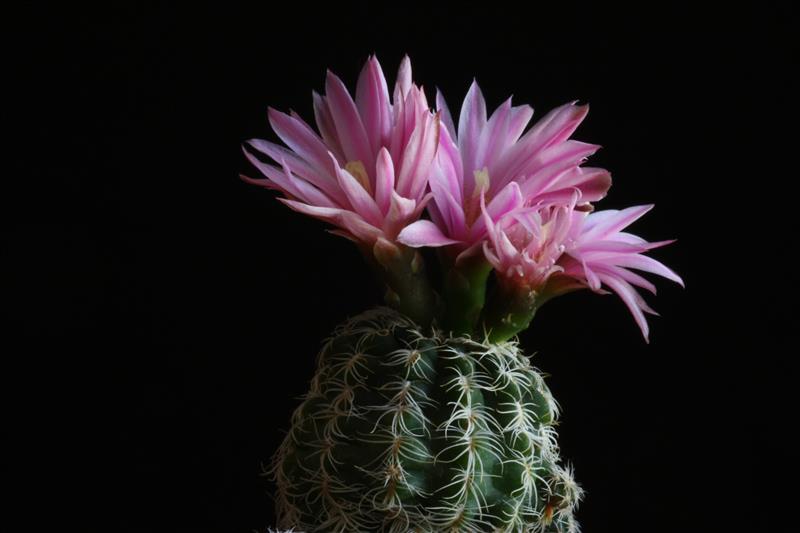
(169, 313)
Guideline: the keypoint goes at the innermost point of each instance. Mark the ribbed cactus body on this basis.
(406, 431)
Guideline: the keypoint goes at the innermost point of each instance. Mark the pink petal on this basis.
(384, 180)
(520, 116)
(403, 83)
(285, 181)
(324, 181)
(635, 239)
(494, 137)
(601, 224)
(556, 126)
(448, 161)
(417, 158)
(471, 122)
(490, 256)
(372, 101)
(328, 214)
(359, 228)
(416, 107)
(307, 192)
(632, 301)
(591, 276)
(592, 182)
(563, 221)
(322, 114)
(444, 111)
(646, 308)
(349, 127)
(507, 200)
(544, 168)
(347, 220)
(362, 202)
(407, 114)
(631, 277)
(423, 233)
(489, 223)
(278, 153)
(421, 205)
(436, 216)
(398, 136)
(450, 209)
(598, 217)
(650, 245)
(560, 197)
(299, 137)
(610, 248)
(553, 128)
(267, 184)
(648, 264)
(506, 249)
(276, 179)
(400, 212)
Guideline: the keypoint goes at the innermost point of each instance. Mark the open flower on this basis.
(493, 158)
(366, 171)
(554, 249)
(524, 247)
(600, 254)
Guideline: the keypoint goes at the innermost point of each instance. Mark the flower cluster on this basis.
(390, 173)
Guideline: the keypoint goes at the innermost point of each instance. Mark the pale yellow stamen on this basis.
(481, 185)
(481, 181)
(359, 172)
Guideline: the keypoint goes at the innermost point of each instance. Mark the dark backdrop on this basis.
(169, 313)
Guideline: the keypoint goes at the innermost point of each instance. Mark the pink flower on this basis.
(524, 246)
(494, 158)
(601, 254)
(366, 171)
(555, 249)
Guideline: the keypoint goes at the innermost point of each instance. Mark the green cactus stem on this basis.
(403, 431)
(509, 311)
(408, 289)
(465, 293)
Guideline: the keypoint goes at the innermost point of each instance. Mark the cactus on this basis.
(426, 416)
(403, 431)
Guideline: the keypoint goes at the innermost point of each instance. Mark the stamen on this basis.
(481, 181)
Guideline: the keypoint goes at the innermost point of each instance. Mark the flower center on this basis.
(359, 172)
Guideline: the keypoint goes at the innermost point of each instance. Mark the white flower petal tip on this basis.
(424, 233)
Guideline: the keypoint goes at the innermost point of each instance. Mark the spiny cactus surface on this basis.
(406, 431)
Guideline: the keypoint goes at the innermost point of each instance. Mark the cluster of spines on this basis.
(406, 432)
